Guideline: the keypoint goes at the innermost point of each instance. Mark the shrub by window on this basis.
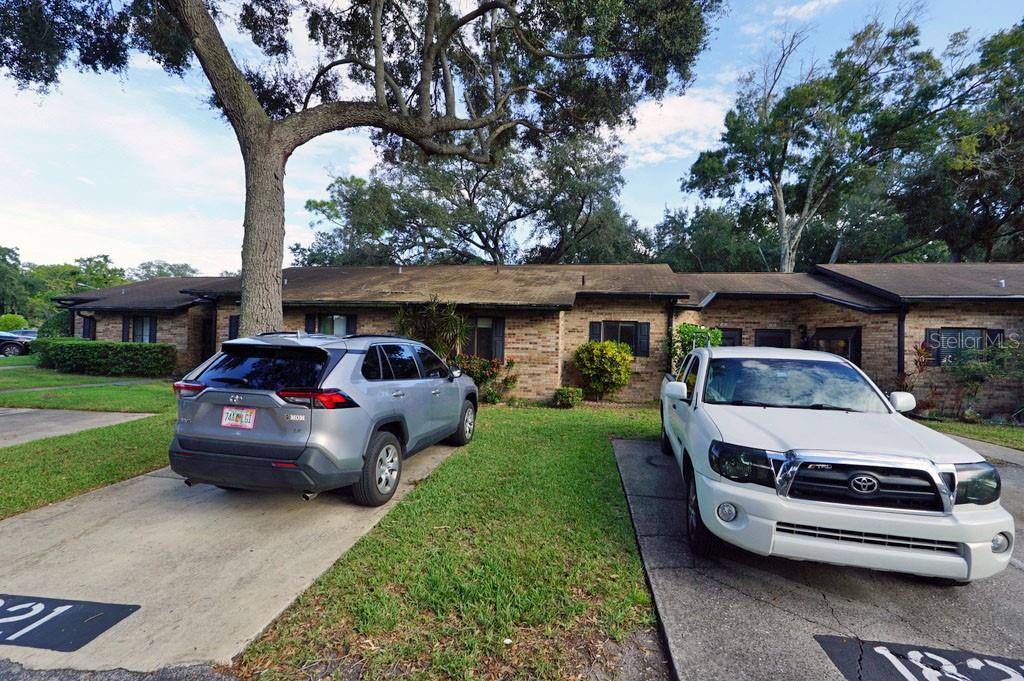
(58, 325)
(105, 358)
(686, 337)
(635, 335)
(494, 380)
(605, 367)
(567, 398)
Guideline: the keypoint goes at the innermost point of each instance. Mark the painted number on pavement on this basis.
(55, 624)
(882, 661)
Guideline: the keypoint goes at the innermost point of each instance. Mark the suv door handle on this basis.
(398, 393)
(435, 392)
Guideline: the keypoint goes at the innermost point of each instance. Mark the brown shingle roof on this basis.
(934, 281)
(162, 293)
(545, 286)
(704, 287)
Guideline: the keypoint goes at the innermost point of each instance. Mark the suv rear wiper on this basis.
(231, 380)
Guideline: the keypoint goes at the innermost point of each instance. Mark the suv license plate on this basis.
(238, 417)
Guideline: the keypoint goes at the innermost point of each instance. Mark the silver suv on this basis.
(312, 412)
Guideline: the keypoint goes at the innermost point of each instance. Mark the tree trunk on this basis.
(787, 261)
(263, 243)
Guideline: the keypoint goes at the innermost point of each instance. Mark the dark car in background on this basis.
(12, 345)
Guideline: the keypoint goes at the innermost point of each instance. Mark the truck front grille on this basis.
(868, 538)
(898, 488)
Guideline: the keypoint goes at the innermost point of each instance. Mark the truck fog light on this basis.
(1000, 542)
(727, 512)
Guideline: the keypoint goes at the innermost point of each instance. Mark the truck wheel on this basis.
(467, 425)
(382, 470)
(702, 542)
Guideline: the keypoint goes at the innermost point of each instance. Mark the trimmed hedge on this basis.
(105, 358)
(567, 398)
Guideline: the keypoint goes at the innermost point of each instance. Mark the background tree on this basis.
(13, 293)
(151, 269)
(714, 240)
(563, 199)
(968, 189)
(430, 74)
(29, 289)
(804, 146)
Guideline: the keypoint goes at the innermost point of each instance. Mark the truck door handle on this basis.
(435, 392)
(398, 393)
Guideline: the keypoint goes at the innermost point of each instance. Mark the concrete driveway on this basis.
(24, 425)
(207, 569)
(743, 616)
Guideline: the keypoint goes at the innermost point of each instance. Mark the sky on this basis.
(140, 168)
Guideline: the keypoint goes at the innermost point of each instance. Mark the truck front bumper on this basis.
(956, 546)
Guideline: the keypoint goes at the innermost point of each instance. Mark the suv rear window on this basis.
(266, 368)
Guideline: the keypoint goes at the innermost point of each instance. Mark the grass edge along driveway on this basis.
(522, 536)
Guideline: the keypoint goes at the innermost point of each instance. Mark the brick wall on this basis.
(645, 382)
(533, 340)
(878, 329)
(935, 387)
(183, 330)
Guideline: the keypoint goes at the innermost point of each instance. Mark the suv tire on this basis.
(382, 471)
(467, 425)
(702, 542)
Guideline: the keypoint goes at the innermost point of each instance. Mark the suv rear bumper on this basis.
(766, 522)
(312, 471)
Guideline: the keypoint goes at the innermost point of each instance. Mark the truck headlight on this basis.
(741, 464)
(977, 483)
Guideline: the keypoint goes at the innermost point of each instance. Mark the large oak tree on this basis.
(448, 81)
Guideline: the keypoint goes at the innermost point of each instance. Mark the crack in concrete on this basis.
(828, 604)
(770, 604)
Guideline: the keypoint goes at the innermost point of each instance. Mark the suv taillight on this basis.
(188, 389)
(318, 399)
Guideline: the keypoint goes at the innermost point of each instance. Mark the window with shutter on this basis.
(233, 326)
(126, 328)
(637, 335)
(955, 343)
(486, 338)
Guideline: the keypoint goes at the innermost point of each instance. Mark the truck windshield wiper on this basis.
(825, 407)
(746, 403)
(232, 380)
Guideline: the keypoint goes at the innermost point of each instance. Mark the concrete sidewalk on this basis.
(209, 568)
(25, 425)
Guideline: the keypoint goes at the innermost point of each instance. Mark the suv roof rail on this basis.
(379, 335)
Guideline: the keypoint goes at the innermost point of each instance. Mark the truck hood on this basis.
(780, 430)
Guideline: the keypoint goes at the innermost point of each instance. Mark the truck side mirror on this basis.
(902, 402)
(676, 390)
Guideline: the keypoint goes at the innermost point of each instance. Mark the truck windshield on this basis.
(266, 368)
(789, 383)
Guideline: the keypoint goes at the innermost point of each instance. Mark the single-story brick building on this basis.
(539, 314)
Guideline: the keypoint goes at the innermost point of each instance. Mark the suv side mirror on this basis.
(675, 390)
(454, 372)
(902, 402)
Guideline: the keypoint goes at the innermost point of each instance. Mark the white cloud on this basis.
(677, 127)
(804, 10)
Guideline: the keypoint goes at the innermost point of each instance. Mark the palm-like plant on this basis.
(435, 323)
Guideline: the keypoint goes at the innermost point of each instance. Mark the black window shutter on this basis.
(311, 323)
(595, 331)
(470, 347)
(498, 338)
(643, 339)
(152, 329)
(232, 326)
(933, 341)
(126, 328)
(994, 337)
(350, 324)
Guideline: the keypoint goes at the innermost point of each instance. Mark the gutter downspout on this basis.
(901, 333)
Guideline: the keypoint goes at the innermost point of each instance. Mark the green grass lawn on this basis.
(33, 377)
(19, 361)
(523, 535)
(1008, 436)
(43, 471)
(137, 397)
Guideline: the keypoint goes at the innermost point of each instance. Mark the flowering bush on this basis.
(605, 366)
(494, 379)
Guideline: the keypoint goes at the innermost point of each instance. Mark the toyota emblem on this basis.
(235, 399)
(864, 484)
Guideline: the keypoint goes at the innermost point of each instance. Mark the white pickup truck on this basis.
(798, 454)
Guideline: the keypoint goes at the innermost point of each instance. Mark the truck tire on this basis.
(467, 425)
(382, 471)
(702, 542)
(666, 446)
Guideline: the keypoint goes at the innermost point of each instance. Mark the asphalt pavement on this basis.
(744, 616)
